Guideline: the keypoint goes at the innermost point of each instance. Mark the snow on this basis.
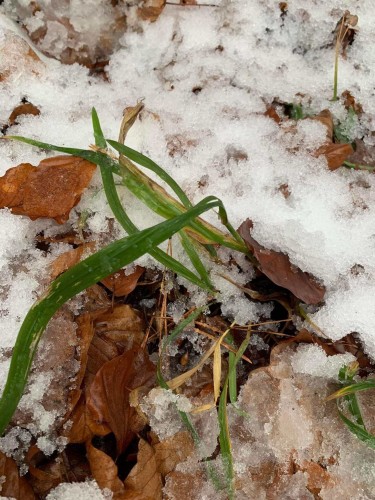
(206, 74)
(89, 490)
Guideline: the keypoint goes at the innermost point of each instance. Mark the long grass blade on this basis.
(76, 279)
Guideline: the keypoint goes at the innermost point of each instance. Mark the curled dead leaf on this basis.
(26, 108)
(50, 190)
(121, 283)
(108, 396)
(278, 268)
(335, 154)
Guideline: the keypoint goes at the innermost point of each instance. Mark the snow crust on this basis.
(206, 74)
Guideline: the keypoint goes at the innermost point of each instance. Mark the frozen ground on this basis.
(206, 75)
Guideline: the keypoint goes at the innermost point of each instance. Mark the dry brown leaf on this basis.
(325, 117)
(50, 190)
(68, 259)
(12, 485)
(173, 451)
(121, 283)
(335, 154)
(23, 109)
(44, 475)
(277, 267)
(144, 480)
(108, 396)
(306, 337)
(122, 325)
(151, 9)
(105, 471)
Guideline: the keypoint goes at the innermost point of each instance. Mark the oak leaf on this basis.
(278, 268)
(108, 396)
(50, 190)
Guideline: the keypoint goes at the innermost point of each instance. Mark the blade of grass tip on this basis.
(86, 154)
(125, 221)
(76, 279)
(353, 388)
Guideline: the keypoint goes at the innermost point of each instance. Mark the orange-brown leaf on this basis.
(144, 479)
(335, 154)
(122, 324)
(104, 471)
(121, 283)
(50, 190)
(277, 267)
(13, 485)
(151, 9)
(108, 395)
(69, 259)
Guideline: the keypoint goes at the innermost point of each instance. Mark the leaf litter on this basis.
(277, 449)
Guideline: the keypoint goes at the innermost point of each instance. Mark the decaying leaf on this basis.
(151, 9)
(11, 484)
(277, 267)
(335, 154)
(121, 324)
(121, 283)
(26, 108)
(108, 396)
(172, 451)
(50, 190)
(68, 259)
(144, 478)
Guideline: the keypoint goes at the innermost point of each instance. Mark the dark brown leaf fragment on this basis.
(277, 267)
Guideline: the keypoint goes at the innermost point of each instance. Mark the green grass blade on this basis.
(189, 248)
(346, 377)
(225, 441)
(359, 431)
(76, 279)
(125, 221)
(353, 388)
(140, 186)
(234, 359)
